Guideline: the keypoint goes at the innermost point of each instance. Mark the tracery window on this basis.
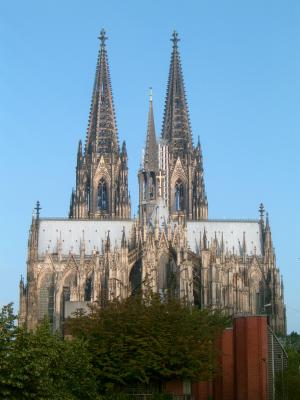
(102, 195)
(46, 298)
(88, 197)
(179, 196)
(144, 187)
(88, 289)
(135, 278)
(151, 186)
(66, 296)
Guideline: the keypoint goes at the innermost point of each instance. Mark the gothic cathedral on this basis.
(99, 253)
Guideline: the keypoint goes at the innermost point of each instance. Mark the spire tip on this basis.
(102, 37)
(261, 211)
(37, 209)
(175, 38)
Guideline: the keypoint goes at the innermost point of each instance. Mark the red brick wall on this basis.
(243, 364)
(250, 355)
(202, 390)
(174, 387)
(224, 382)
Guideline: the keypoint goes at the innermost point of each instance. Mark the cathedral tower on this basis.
(186, 195)
(101, 171)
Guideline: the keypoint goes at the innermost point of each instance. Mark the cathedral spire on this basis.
(150, 158)
(199, 154)
(102, 134)
(176, 125)
(268, 244)
(79, 153)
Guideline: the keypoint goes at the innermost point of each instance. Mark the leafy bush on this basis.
(149, 340)
(139, 341)
(41, 365)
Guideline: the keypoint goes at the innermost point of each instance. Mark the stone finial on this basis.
(175, 39)
(37, 209)
(102, 37)
(261, 211)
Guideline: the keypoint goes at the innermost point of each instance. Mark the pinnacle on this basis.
(267, 221)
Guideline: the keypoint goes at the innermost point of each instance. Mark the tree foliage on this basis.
(150, 340)
(41, 365)
(288, 382)
(135, 341)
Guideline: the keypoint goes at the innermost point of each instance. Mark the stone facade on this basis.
(100, 253)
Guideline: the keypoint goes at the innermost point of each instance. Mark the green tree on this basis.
(293, 341)
(288, 383)
(41, 365)
(149, 341)
(8, 334)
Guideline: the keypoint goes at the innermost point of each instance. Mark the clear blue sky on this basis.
(242, 75)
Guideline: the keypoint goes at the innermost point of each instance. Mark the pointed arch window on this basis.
(46, 297)
(102, 195)
(144, 187)
(88, 197)
(179, 196)
(152, 185)
(88, 289)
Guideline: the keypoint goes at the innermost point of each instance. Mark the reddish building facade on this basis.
(246, 361)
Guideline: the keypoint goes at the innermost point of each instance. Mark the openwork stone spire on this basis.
(150, 159)
(102, 134)
(176, 126)
(101, 171)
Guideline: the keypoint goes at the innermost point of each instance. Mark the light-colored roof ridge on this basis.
(85, 219)
(226, 220)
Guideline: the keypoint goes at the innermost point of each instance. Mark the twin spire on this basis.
(102, 170)
(102, 133)
(176, 125)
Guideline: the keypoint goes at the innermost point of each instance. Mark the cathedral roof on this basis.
(71, 234)
(231, 232)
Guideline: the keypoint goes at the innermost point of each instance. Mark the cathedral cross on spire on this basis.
(102, 37)
(261, 211)
(175, 39)
(38, 209)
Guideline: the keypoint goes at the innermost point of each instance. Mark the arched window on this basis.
(135, 278)
(46, 297)
(102, 195)
(144, 187)
(88, 289)
(179, 196)
(88, 196)
(151, 186)
(69, 286)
